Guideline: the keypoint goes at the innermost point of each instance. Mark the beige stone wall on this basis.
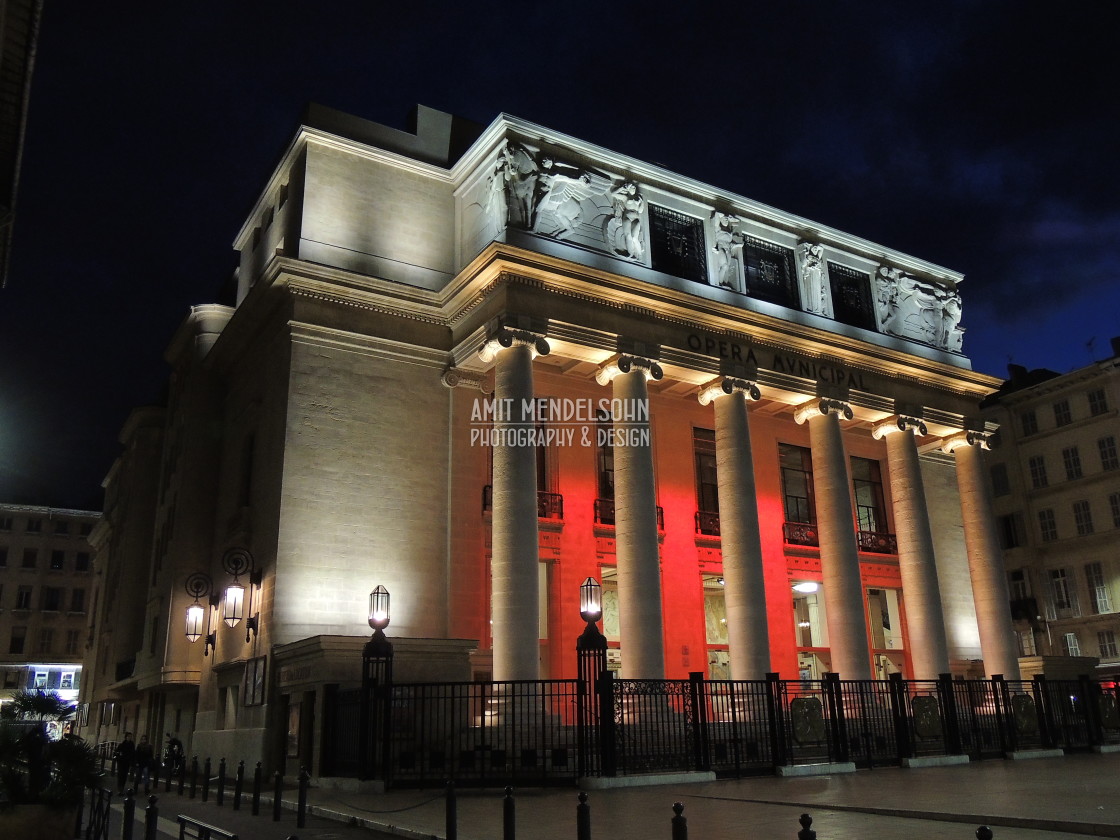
(366, 216)
(364, 498)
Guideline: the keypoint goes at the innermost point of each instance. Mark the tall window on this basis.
(1037, 464)
(1083, 518)
(58, 560)
(1106, 640)
(1018, 584)
(1028, 420)
(1109, 458)
(73, 640)
(1047, 526)
(77, 600)
(23, 598)
(1070, 645)
(52, 598)
(1098, 402)
(1072, 460)
(1114, 504)
(1062, 417)
(1063, 598)
(704, 450)
(1001, 486)
(46, 640)
(81, 561)
(1010, 530)
(30, 558)
(1099, 597)
(796, 464)
(18, 638)
(605, 460)
(867, 484)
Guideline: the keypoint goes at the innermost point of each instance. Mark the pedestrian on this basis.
(124, 755)
(145, 758)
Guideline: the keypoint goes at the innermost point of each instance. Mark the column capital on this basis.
(505, 337)
(966, 438)
(805, 411)
(624, 363)
(725, 386)
(899, 423)
(455, 377)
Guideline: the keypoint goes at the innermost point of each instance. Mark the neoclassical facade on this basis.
(480, 365)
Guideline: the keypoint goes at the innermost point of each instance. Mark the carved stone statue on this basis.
(560, 209)
(951, 334)
(728, 249)
(624, 230)
(520, 176)
(814, 280)
(886, 299)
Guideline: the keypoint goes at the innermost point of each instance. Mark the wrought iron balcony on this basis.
(707, 522)
(549, 505)
(604, 513)
(800, 533)
(874, 542)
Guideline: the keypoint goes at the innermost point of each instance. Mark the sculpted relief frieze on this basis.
(909, 307)
(559, 196)
(530, 190)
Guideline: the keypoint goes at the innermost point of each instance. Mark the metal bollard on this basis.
(257, 790)
(301, 807)
(221, 782)
(806, 833)
(509, 817)
(170, 773)
(129, 815)
(182, 775)
(238, 785)
(153, 774)
(277, 795)
(206, 780)
(451, 812)
(680, 824)
(194, 775)
(151, 819)
(583, 818)
(984, 833)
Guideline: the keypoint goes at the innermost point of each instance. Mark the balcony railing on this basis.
(549, 505)
(604, 513)
(874, 542)
(707, 522)
(800, 533)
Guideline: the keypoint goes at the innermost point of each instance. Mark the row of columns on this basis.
(515, 601)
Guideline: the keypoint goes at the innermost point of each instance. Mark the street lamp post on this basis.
(591, 651)
(377, 681)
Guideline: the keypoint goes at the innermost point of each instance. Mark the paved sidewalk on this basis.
(1045, 799)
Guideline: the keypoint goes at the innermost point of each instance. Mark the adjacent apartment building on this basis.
(1056, 486)
(46, 583)
(480, 365)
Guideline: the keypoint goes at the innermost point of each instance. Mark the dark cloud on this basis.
(979, 136)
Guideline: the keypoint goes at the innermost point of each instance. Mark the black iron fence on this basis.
(555, 731)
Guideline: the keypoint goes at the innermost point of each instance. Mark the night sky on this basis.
(982, 136)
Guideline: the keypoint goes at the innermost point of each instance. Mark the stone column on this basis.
(929, 646)
(635, 520)
(744, 589)
(843, 589)
(514, 600)
(985, 559)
